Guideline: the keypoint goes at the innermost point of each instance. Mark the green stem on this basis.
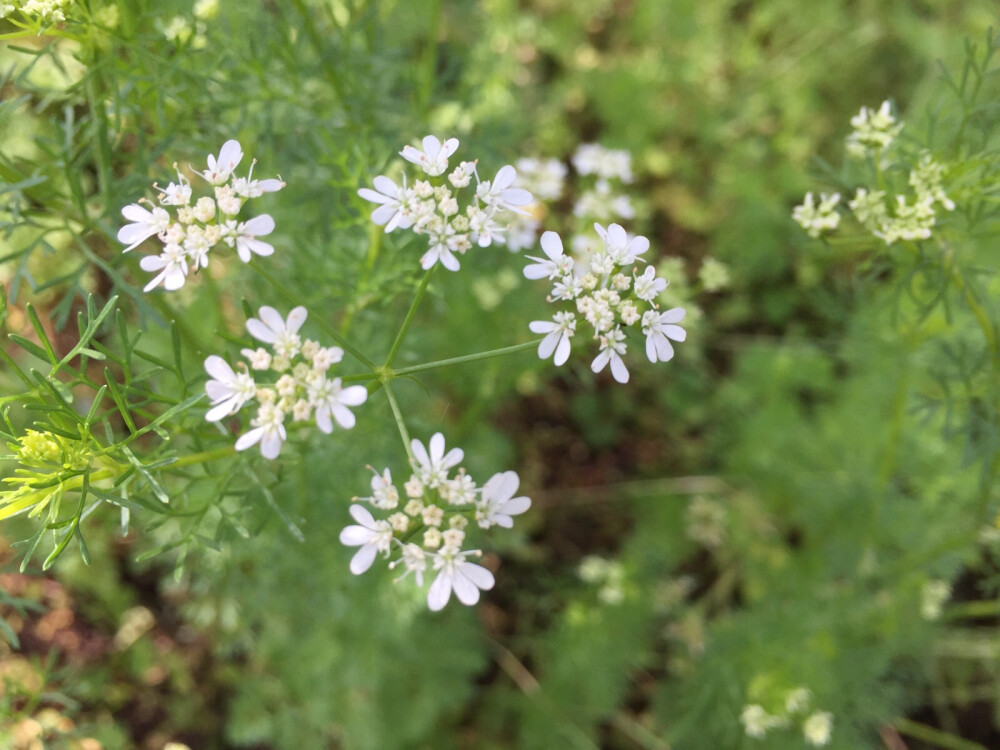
(400, 424)
(329, 330)
(934, 736)
(466, 358)
(409, 317)
(203, 457)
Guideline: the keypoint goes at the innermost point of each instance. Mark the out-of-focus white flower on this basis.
(331, 399)
(659, 328)
(457, 574)
(433, 467)
(227, 390)
(756, 721)
(282, 333)
(932, 598)
(543, 177)
(370, 535)
(434, 158)
(818, 219)
(797, 700)
(558, 333)
(594, 159)
(498, 503)
(818, 728)
(874, 130)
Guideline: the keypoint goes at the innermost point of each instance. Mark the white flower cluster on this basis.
(932, 598)
(874, 131)
(818, 219)
(430, 207)
(607, 575)
(890, 218)
(544, 179)
(298, 388)
(612, 168)
(817, 727)
(438, 508)
(50, 11)
(199, 225)
(609, 294)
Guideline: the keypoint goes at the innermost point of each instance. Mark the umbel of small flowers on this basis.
(907, 215)
(189, 228)
(452, 222)
(427, 528)
(298, 389)
(610, 295)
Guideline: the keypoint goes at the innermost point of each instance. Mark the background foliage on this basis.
(761, 514)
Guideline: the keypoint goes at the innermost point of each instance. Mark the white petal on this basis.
(549, 344)
(436, 447)
(517, 197)
(600, 361)
(651, 347)
(673, 315)
(420, 452)
(449, 147)
(674, 332)
(345, 418)
(382, 214)
(135, 212)
(246, 245)
(257, 226)
(362, 515)
(323, 418)
(664, 351)
(479, 575)
(536, 271)
(230, 155)
(542, 326)
(354, 395)
(271, 318)
(448, 260)
(296, 318)
(504, 178)
(552, 245)
(562, 351)
(250, 438)
(270, 446)
(465, 590)
(152, 263)
(224, 409)
(432, 147)
(453, 457)
(619, 370)
(370, 195)
(516, 506)
(133, 234)
(363, 559)
(386, 186)
(440, 591)
(260, 331)
(355, 536)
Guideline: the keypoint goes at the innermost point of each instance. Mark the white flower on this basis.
(227, 390)
(330, 398)
(934, 594)
(244, 236)
(498, 503)
(176, 194)
(557, 264)
(282, 333)
(220, 168)
(622, 250)
(658, 328)
(756, 721)
(499, 193)
(247, 187)
(558, 333)
(818, 728)
(393, 212)
(371, 535)
(415, 560)
(612, 349)
(433, 468)
(592, 158)
(458, 575)
(269, 431)
(146, 224)
(818, 219)
(440, 251)
(384, 492)
(434, 158)
(873, 130)
(172, 265)
(797, 700)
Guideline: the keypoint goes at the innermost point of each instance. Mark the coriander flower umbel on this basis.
(435, 206)
(611, 297)
(431, 526)
(818, 219)
(301, 389)
(189, 231)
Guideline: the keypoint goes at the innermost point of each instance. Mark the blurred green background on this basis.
(763, 513)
